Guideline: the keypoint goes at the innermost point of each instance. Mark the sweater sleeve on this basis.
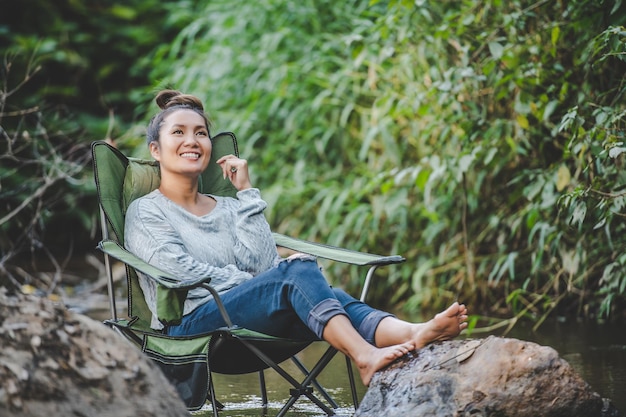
(255, 248)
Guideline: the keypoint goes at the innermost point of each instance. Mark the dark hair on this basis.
(168, 101)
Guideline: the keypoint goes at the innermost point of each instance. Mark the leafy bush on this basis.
(484, 141)
(466, 136)
(42, 188)
(70, 74)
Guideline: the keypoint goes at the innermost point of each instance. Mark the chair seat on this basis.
(230, 355)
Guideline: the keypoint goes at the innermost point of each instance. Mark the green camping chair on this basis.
(189, 362)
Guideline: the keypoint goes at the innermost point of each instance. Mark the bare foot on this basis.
(377, 358)
(444, 326)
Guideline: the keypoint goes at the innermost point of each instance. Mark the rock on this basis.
(482, 377)
(57, 363)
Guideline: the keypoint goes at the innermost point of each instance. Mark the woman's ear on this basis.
(154, 150)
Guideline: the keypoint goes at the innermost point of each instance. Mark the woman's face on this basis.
(184, 146)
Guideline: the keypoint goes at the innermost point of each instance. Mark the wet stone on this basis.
(482, 377)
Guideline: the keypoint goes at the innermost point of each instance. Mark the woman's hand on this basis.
(236, 169)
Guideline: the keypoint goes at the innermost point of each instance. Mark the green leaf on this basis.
(496, 49)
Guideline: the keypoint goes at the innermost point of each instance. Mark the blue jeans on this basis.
(292, 300)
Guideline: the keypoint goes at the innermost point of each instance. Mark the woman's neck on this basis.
(186, 195)
(183, 193)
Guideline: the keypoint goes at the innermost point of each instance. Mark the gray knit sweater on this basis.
(231, 244)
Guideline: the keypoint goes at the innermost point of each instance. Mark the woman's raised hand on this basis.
(236, 169)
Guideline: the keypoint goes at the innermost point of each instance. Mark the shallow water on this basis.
(241, 396)
(596, 351)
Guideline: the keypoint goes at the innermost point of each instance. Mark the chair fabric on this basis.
(189, 361)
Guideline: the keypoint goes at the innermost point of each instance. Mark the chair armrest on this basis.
(335, 253)
(117, 251)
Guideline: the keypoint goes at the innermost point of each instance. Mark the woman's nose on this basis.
(191, 138)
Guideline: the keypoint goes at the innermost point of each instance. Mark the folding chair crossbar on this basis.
(301, 388)
(315, 372)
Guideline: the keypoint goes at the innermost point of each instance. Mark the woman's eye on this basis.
(177, 132)
(202, 133)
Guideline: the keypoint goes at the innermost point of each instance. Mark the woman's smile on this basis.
(190, 155)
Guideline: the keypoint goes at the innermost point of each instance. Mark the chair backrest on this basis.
(120, 180)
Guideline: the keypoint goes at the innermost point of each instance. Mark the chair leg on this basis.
(214, 402)
(310, 379)
(263, 390)
(355, 399)
(314, 382)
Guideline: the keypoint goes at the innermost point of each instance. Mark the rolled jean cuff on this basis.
(322, 313)
(368, 326)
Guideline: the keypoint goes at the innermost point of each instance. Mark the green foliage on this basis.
(42, 187)
(482, 140)
(91, 55)
(594, 203)
(69, 75)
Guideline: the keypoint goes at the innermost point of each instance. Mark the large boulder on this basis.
(57, 363)
(482, 377)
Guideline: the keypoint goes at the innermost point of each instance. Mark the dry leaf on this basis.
(467, 350)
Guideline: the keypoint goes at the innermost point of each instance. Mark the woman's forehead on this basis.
(184, 117)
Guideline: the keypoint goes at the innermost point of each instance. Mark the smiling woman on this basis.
(179, 139)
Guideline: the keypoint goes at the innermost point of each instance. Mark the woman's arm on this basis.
(255, 248)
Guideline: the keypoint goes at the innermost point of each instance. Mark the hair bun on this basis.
(170, 98)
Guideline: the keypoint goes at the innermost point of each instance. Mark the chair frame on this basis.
(113, 249)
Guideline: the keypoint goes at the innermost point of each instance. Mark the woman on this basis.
(189, 234)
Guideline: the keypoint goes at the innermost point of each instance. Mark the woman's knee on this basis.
(297, 268)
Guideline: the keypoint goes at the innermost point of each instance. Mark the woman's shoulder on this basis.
(151, 201)
(224, 201)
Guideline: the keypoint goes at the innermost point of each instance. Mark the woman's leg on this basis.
(280, 301)
(388, 337)
(445, 325)
(384, 329)
(287, 301)
(341, 334)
